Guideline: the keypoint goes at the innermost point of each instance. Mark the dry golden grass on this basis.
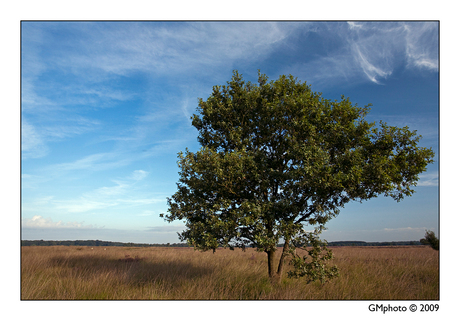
(155, 273)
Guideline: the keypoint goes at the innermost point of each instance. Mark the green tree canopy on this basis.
(276, 157)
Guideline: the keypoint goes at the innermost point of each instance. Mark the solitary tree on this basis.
(277, 157)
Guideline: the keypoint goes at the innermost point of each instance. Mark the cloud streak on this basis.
(371, 51)
(405, 229)
(161, 48)
(166, 229)
(37, 135)
(32, 145)
(421, 49)
(122, 194)
(38, 221)
(372, 70)
(94, 162)
(429, 179)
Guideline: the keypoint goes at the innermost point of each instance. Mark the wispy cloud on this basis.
(29, 181)
(428, 179)
(164, 48)
(69, 127)
(166, 229)
(371, 51)
(88, 74)
(405, 229)
(146, 213)
(88, 202)
(138, 175)
(421, 45)
(372, 70)
(83, 204)
(33, 144)
(37, 135)
(376, 48)
(122, 194)
(93, 162)
(130, 149)
(38, 221)
(354, 25)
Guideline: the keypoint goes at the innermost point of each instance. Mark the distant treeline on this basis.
(108, 243)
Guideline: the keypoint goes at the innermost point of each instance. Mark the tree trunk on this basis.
(274, 274)
(283, 258)
(271, 263)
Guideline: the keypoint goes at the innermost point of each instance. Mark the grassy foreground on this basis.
(156, 273)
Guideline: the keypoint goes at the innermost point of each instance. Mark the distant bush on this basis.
(430, 239)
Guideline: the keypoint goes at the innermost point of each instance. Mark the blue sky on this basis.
(106, 107)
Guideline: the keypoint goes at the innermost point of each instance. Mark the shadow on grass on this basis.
(136, 271)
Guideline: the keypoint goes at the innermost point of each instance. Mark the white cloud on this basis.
(164, 48)
(405, 229)
(105, 92)
(376, 48)
(35, 138)
(123, 194)
(104, 51)
(141, 201)
(83, 204)
(88, 203)
(372, 70)
(69, 126)
(428, 179)
(38, 221)
(146, 213)
(354, 25)
(122, 186)
(380, 47)
(98, 161)
(138, 175)
(33, 102)
(371, 51)
(421, 45)
(108, 191)
(166, 229)
(33, 145)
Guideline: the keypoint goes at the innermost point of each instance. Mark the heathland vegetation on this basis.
(170, 273)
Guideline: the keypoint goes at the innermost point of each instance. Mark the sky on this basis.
(106, 107)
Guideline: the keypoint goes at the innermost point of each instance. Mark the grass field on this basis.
(160, 273)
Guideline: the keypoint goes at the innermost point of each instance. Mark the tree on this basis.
(277, 157)
(431, 240)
